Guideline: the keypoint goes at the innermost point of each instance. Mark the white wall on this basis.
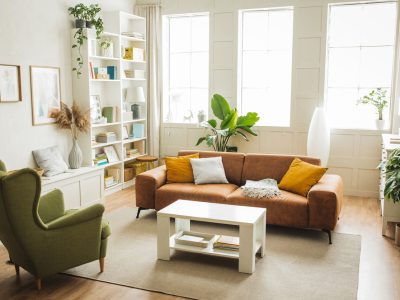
(37, 32)
(354, 154)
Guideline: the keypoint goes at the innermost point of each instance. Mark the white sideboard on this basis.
(81, 187)
(389, 210)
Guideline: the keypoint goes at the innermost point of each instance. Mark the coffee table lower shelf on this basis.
(207, 251)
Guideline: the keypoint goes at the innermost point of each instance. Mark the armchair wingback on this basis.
(40, 235)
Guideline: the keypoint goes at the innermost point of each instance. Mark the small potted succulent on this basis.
(378, 98)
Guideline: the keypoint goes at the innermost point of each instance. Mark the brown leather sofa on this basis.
(319, 210)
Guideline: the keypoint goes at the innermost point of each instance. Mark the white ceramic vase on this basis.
(380, 124)
(75, 156)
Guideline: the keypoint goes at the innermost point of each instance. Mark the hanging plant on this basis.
(88, 14)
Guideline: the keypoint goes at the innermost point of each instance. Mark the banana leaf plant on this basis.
(392, 170)
(231, 124)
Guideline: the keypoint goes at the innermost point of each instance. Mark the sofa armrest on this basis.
(146, 185)
(51, 206)
(325, 202)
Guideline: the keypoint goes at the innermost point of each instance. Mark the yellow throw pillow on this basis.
(179, 169)
(301, 176)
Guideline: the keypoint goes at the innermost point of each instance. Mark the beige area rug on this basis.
(299, 264)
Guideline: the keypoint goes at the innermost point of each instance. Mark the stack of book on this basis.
(100, 159)
(110, 113)
(131, 153)
(108, 72)
(395, 140)
(106, 137)
(225, 242)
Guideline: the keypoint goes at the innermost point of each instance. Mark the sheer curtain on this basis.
(152, 13)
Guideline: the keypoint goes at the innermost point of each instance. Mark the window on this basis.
(185, 64)
(265, 64)
(360, 58)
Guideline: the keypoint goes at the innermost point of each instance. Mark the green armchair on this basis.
(40, 235)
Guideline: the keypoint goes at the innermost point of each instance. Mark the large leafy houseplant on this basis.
(231, 124)
(392, 184)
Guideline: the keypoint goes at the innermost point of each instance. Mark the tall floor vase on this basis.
(319, 137)
(75, 156)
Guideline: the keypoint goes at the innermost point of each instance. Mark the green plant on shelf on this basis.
(90, 15)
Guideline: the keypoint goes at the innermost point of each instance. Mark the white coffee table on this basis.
(251, 222)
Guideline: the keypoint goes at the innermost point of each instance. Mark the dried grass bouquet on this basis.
(73, 119)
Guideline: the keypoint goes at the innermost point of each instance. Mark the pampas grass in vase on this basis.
(75, 120)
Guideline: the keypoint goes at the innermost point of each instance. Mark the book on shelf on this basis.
(106, 137)
(100, 159)
(133, 34)
(115, 173)
(225, 242)
(110, 112)
(91, 70)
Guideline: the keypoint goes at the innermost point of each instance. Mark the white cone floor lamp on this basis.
(319, 137)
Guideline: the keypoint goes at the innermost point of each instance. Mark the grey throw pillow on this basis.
(208, 170)
(50, 160)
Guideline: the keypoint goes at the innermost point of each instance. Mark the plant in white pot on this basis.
(75, 120)
(379, 99)
(107, 47)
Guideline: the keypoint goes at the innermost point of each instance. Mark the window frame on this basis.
(392, 100)
(239, 55)
(166, 53)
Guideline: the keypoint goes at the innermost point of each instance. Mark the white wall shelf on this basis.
(112, 91)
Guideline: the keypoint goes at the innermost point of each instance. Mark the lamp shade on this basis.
(319, 136)
(135, 94)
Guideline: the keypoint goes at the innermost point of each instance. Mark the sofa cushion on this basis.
(301, 177)
(233, 163)
(261, 166)
(171, 192)
(288, 210)
(208, 170)
(179, 169)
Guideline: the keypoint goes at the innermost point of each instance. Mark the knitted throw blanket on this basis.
(265, 188)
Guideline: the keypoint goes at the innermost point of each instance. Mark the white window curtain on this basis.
(152, 13)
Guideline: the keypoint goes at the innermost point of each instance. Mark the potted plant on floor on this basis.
(378, 98)
(231, 125)
(76, 121)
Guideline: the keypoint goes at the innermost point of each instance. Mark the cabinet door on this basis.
(71, 195)
(91, 190)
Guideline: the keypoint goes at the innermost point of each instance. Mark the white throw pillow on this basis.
(50, 160)
(208, 170)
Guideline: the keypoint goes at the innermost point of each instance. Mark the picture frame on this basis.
(45, 94)
(111, 154)
(10, 83)
(95, 109)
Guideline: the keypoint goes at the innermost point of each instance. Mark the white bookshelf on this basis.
(112, 91)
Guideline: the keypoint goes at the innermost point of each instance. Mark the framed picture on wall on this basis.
(10, 83)
(45, 94)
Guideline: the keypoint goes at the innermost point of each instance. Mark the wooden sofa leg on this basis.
(329, 235)
(101, 260)
(38, 282)
(16, 269)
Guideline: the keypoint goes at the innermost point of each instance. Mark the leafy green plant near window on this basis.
(90, 15)
(392, 184)
(231, 124)
(378, 98)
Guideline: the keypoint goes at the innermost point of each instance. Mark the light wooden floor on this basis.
(379, 266)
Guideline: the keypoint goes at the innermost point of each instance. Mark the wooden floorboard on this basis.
(379, 263)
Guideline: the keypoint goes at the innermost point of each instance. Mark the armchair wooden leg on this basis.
(16, 269)
(38, 282)
(101, 260)
(329, 235)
